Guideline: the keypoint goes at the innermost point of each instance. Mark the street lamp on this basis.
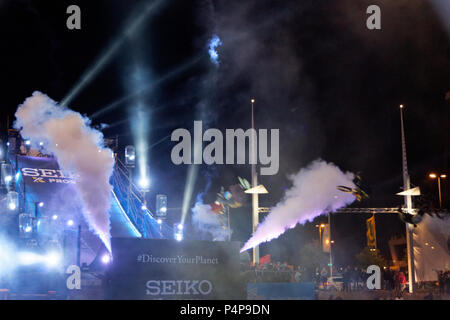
(438, 177)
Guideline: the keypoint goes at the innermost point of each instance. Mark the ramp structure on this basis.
(49, 196)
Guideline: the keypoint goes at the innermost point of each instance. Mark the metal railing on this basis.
(130, 198)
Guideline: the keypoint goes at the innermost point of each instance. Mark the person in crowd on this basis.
(447, 282)
(324, 276)
(395, 281)
(400, 282)
(346, 279)
(363, 276)
(441, 281)
(355, 278)
(387, 279)
(403, 281)
(298, 274)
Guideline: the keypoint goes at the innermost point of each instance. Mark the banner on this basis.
(326, 238)
(169, 269)
(371, 232)
(43, 181)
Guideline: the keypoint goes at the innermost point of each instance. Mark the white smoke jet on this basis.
(205, 220)
(78, 149)
(313, 193)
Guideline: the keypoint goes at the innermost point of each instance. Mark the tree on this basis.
(369, 257)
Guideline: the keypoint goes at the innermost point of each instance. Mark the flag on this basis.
(264, 260)
(217, 208)
(410, 192)
(326, 238)
(371, 232)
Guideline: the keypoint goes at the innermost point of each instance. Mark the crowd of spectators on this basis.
(349, 278)
(268, 272)
(443, 281)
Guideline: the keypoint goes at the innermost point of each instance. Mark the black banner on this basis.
(44, 181)
(170, 269)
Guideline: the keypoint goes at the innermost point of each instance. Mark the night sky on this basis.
(329, 84)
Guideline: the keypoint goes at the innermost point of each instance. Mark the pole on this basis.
(129, 191)
(255, 205)
(35, 218)
(329, 236)
(79, 246)
(440, 197)
(229, 231)
(408, 205)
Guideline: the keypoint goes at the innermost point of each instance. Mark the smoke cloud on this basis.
(79, 150)
(213, 54)
(313, 193)
(207, 221)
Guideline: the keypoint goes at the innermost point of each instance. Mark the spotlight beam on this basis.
(110, 107)
(91, 73)
(158, 142)
(190, 184)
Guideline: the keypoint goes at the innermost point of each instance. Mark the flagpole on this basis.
(408, 205)
(229, 231)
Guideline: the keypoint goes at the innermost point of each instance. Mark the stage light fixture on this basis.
(7, 173)
(144, 207)
(161, 205)
(178, 231)
(12, 200)
(106, 258)
(55, 217)
(70, 223)
(27, 142)
(40, 204)
(159, 221)
(25, 225)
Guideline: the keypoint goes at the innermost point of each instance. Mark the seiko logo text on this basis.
(178, 287)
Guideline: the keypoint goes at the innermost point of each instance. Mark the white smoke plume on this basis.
(78, 149)
(205, 220)
(313, 193)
